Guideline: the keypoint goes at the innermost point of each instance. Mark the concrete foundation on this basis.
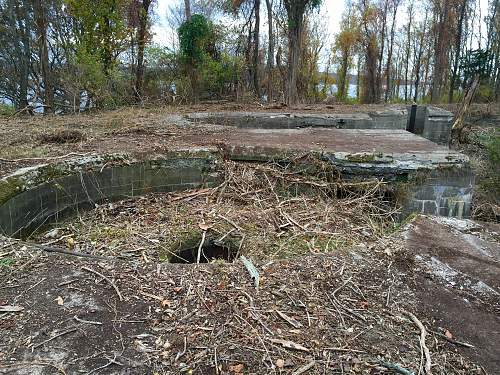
(424, 177)
(432, 123)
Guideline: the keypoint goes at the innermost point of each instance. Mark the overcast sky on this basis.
(330, 9)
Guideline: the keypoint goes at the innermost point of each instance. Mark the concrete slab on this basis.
(431, 123)
(437, 180)
(338, 140)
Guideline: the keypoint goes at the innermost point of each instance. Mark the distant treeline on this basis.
(74, 55)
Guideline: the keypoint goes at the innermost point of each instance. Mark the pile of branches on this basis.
(266, 210)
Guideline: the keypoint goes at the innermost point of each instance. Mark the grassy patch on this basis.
(6, 262)
(7, 110)
(24, 151)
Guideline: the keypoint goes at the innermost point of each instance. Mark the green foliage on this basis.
(162, 72)
(217, 74)
(493, 147)
(100, 35)
(193, 38)
(99, 29)
(475, 63)
(6, 110)
(6, 262)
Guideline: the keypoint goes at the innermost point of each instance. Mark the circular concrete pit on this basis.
(51, 195)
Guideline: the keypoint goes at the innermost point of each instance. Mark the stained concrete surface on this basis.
(456, 268)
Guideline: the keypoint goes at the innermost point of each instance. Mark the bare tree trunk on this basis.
(342, 75)
(256, 35)
(440, 52)
(389, 54)
(358, 79)
(295, 12)
(187, 9)
(382, 47)
(41, 31)
(418, 62)
(458, 42)
(282, 71)
(459, 123)
(370, 89)
(270, 52)
(25, 54)
(143, 24)
(407, 60)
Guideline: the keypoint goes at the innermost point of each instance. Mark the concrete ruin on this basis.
(424, 177)
(430, 122)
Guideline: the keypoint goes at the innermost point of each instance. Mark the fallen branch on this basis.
(55, 337)
(202, 242)
(459, 124)
(42, 159)
(453, 341)
(107, 279)
(423, 346)
(86, 321)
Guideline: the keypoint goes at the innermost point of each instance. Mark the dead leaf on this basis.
(59, 301)
(204, 226)
(448, 334)
(10, 308)
(364, 304)
(289, 344)
(70, 242)
(237, 369)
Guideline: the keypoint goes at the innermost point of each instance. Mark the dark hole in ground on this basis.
(211, 250)
(63, 136)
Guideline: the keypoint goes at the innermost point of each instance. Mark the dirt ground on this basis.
(346, 312)
(358, 308)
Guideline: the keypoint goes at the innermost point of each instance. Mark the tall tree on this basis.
(270, 51)
(395, 5)
(295, 10)
(458, 45)
(15, 51)
(345, 43)
(418, 58)
(143, 9)
(382, 46)
(441, 48)
(369, 40)
(408, 48)
(255, 56)
(41, 23)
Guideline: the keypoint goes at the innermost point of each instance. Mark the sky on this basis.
(331, 9)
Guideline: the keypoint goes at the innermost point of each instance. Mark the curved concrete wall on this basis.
(33, 197)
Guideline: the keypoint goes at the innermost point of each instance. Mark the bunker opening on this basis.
(205, 251)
